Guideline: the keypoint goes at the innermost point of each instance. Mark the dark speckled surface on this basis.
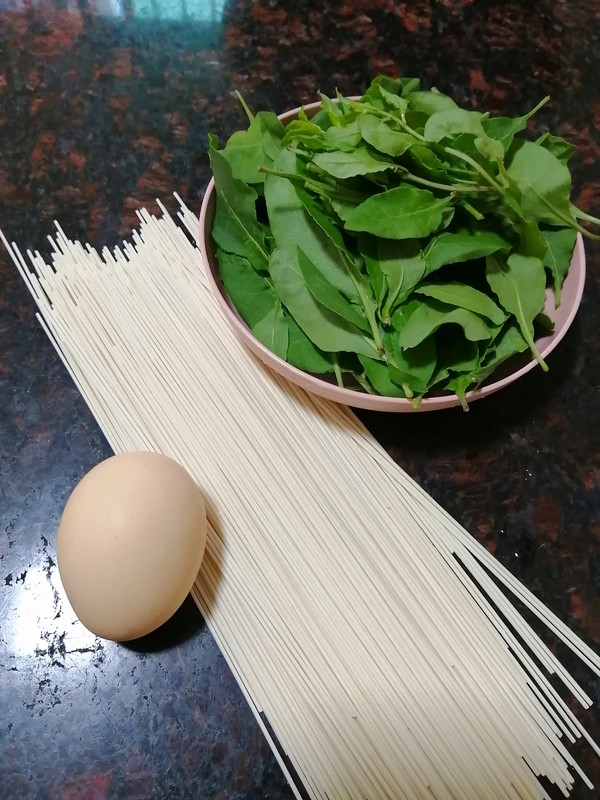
(106, 105)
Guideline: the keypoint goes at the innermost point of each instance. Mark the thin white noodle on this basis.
(355, 613)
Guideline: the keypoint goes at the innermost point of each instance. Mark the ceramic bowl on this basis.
(508, 373)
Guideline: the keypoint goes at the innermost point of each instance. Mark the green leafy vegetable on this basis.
(326, 329)
(464, 245)
(251, 293)
(236, 228)
(544, 183)
(350, 164)
(382, 137)
(327, 295)
(291, 225)
(273, 331)
(558, 146)
(452, 121)
(398, 241)
(519, 284)
(557, 257)
(431, 315)
(302, 353)
(462, 295)
(401, 213)
(248, 151)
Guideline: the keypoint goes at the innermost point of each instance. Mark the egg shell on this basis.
(130, 544)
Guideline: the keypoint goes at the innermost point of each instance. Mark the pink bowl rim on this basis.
(356, 399)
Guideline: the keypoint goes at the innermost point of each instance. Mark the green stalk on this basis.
(369, 313)
(244, 105)
(317, 186)
(477, 167)
(364, 383)
(570, 221)
(473, 211)
(337, 371)
(401, 120)
(444, 187)
(538, 107)
(579, 214)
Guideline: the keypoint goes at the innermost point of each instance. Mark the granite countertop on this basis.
(106, 105)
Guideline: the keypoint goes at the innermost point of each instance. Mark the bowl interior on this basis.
(509, 372)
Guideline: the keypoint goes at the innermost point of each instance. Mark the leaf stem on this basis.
(244, 105)
(368, 309)
(364, 383)
(337, 371)
(444, 187)
(577, 212)
(318, 186)
(477, 167)
(570, 221)
(538, 107)
(473, 211)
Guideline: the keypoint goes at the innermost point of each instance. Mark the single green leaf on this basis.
(452, 122)
(430, 102)
(403, 264)
(305, 133)
(328, 296)
(318, 215)
(302, 353)
(460, 385)
(273, 331)
(427, 163)
(251, 293)
(327, 330)
(413, 367)
(431, 315)
(558, 146)
(393, 101)
(345, 137)
(504, 129)
(383, 138)
(557, 258)
(464, 296)
(246, 151)
(401, 213)
(320, 118)
(543, 181)
(490, 148)
(349, 164)
(331, 108)
(379, 376)
(235, 227)
(408, 86)
(345, 107)
(509, 343)
(519, 283)
(291, 226)
(368, 249)
(342, 206)
(464, 245)
(531, 241)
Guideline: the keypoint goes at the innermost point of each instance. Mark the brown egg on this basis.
(130, 543)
